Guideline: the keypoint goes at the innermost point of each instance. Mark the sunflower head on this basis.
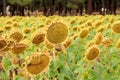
(116, 27)
(98, 38)
(26, 30)
(89, 23)
(18, 48)
(107, 42)
(41, 26)
(72, 21)
(39, 38)
(7, 27)
(3, 43)
(37, 62)
(15, 24)
(92, 53)
(98, 23)
(57, 32)
(100, 29)
(48, 21)
(84, 32)
(16, 36)
(74, 28)
(10, 43)
(112, 19)
(74, 36)
(108, 26)
(9, 22)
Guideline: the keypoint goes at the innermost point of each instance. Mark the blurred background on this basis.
(58, 7)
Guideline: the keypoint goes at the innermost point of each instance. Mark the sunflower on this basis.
(89, 23)
(97, 23)
(90, 43)
(74, 28)
(37, 62)
(100, 29)
(108, 26)
(15, 24)
(57, 32)
(98, 38)
(92, 52)
(67, 43)
(3, 43)
(10, 43)
(112, 19)
(84, 32)
(16, 36)
(18, 48)
(39, 38)
(48, 22)
(26, 30)
(107, 42)
(116, 27)
(74, 36)
(7, 27)
(9, 22)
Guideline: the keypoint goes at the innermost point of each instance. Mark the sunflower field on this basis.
(60, 48)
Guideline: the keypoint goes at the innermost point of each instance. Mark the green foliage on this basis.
(6, 63)
(12, 1)
(74, 3)
(20, 2)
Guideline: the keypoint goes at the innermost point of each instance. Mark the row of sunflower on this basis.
(60, 48)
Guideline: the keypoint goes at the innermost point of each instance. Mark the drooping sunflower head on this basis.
(98, 38)
(38, 38)
(18, 48)
(57, 32)
(97, 23)
(37, 62)
(92, 53)
(16, 36)
(112, 20)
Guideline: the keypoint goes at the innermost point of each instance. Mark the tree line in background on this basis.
(61, 7)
